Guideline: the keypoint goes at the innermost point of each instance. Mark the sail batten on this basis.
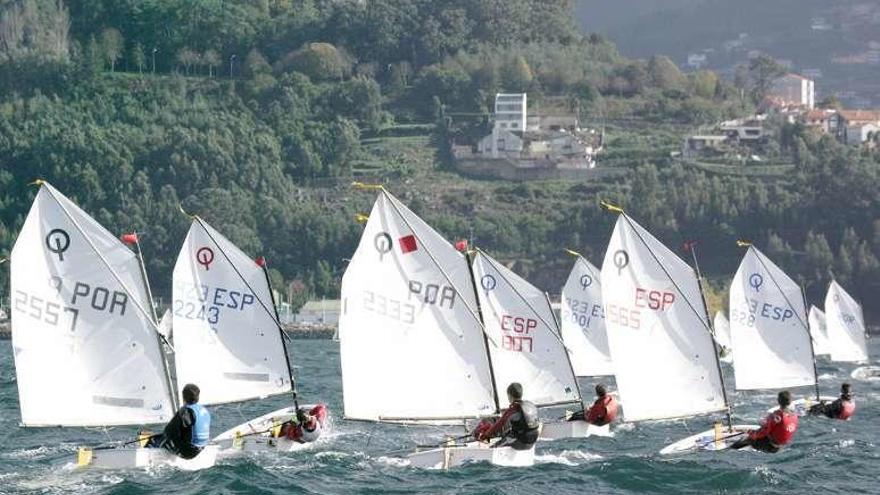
(518, 318)
(846, 325)
(411, 343)
(583, 321)
(663, 353)
(79, 302)
(771, 342)
(227, 341)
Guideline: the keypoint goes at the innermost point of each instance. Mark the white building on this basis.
(794, 89)
(323, 312)
(510, 111)
(500, 143)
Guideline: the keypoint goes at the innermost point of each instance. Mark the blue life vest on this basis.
(201, 430)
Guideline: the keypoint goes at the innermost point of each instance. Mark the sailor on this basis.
(308, 425)
(842, 408)
(518, 425)
(602, 412)
(776, 430)
(189, 430)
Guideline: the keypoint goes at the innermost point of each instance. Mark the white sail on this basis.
(226, 339)
(768, 323)
(846, 325)
(819, 330)
(86, 350)
(411, 343)
(524, 344)
(583, 321)
(165, 325)
(722, 330)
(664, 356)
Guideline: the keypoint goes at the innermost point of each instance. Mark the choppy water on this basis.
(827, 456)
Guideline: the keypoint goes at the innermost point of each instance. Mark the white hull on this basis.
(450, 457)
(140, 457)
(866, 373)
(245, 437)
(558, 430)
(801, 407)
(707, 441)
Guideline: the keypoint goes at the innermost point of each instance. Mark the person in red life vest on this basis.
(518, 426)
(842, 408)
(308, 425)
(602, 412)
(776, 430)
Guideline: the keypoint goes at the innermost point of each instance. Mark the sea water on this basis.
(826, 456)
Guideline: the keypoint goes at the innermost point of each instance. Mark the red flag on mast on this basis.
(131, 238)
(261, 261)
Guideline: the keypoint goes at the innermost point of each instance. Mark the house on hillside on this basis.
(529, 145)
(822, 120)
(856, 126)
(793, 89)
(749, 129)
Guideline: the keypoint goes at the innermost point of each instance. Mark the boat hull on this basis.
(558, 430)
(241, 438)
(458, 455)
(801, 407)
(866, 373)
(708, 441)
(141, 457)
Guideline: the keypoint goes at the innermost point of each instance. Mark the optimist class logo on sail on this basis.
(206, 302)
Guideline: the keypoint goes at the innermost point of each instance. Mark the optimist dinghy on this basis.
(846, 326)
(410, 322)
(228, 339)
(81, 304)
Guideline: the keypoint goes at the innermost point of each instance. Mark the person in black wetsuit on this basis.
(843, 408)
(189, 430)
(518, 425)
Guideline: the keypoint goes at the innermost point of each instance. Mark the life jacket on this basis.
(310, 430)
(524, 422)
(782, 427)
(603, 411)
(847, 408)
(201, 430)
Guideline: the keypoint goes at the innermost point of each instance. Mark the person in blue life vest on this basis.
(189, 430)
(843, 408)
(518, 426)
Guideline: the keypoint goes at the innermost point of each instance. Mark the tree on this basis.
(137, 57)
(763, 71)
(319, 61)
(113, 45)
(517, 74)
(665, 74)
(212, 59)
(705, 84)
(187, 58)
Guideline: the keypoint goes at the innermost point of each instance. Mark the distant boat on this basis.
(846, 326)
(583, 321)
(819, 331)
(722, 336)
(86, 344)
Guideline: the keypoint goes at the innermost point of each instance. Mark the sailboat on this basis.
(413, 346)
(846, 326)
(665, 358)
(772, 342)
(819, 331)
(582, 327)
(227, 337)
(517, 316)
(81, 305)
(722, 336)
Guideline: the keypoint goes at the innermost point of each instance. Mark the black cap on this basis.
(514, 390)
(190, 393)
(784, 398)
(600, 390)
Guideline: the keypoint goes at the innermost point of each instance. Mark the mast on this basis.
(693, 250)
(470, 265)
(264, 265)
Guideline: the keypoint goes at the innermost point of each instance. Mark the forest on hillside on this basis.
(254, 114)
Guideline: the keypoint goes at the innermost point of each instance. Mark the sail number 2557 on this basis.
(43, 310)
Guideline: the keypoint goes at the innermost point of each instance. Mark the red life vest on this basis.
(783, 424)
(603, 411)
(847, 408)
